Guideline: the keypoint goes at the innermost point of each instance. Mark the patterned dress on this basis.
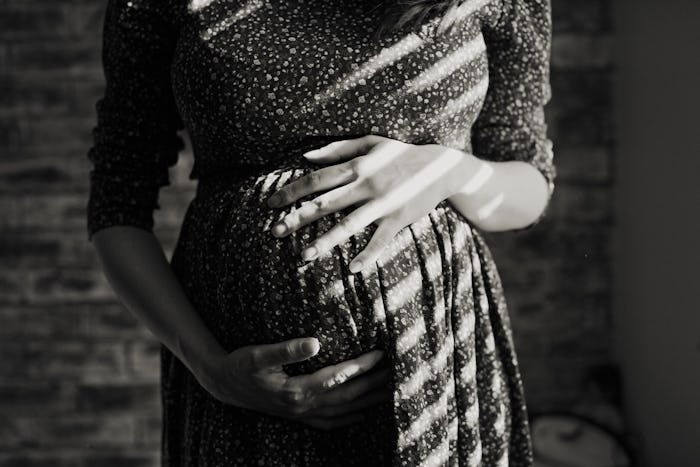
(257, 83)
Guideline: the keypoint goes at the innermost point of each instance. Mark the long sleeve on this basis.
(511, 124)
(135, 139)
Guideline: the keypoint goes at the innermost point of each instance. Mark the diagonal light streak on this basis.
(378, 310)
(499, 425)
(459, 238)
(460, 12)
(227, 22)
(438, 456)
(468, 98)
(487, 210)
(466, 326)
(471, 415)
(467, 373)
(412, 384)
(453, 428)
(196, 5)
(433, 266)
(410, 336)
(447, 65)
(267, 182)
(422, 423)
(476, 456)
(401, 292)
(384, 58)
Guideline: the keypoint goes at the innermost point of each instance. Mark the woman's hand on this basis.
(252, 377)
(395, 184)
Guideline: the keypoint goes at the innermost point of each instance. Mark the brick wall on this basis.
(557, 276)
(78, 375)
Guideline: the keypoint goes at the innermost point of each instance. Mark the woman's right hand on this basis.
(252, 377)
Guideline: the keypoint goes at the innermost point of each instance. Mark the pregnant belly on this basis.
(251, 287)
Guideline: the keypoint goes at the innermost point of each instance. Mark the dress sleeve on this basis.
(511, 124)
(135, 139)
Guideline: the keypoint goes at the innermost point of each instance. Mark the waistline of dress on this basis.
(227, 179)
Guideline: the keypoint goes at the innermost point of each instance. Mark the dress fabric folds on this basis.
(256, 84)
(433, 302)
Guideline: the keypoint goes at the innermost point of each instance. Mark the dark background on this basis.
(79, 376)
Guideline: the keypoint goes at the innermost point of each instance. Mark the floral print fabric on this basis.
(257, 83)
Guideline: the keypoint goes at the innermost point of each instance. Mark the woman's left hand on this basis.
(393, 182)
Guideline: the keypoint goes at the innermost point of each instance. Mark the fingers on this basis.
(282, 353)
(335, 375)
(323, 205)
(318, 180)
(365, 401)
(338, 416)
(343, 150)
(347, 227)
(351, 390)
(382, 237)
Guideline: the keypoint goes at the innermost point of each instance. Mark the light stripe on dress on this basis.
(227, 22)
(444, 67)
(384, 58)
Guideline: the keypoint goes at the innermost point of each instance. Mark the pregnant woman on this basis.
(330, 300)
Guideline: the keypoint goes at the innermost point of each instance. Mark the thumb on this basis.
(291, 351)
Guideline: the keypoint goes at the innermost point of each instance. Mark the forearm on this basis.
(134, 264)
(498, 196)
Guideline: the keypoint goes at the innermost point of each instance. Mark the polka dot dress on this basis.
(256, 84)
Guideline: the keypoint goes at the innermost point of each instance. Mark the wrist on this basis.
(202, 358)
(469, 175)
(499, 195)
(471, 190)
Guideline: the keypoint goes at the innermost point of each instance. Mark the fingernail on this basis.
(309, 254)
(311, 153)
(279, 229)
(310, 346)
(274, 201)
(355, 266)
